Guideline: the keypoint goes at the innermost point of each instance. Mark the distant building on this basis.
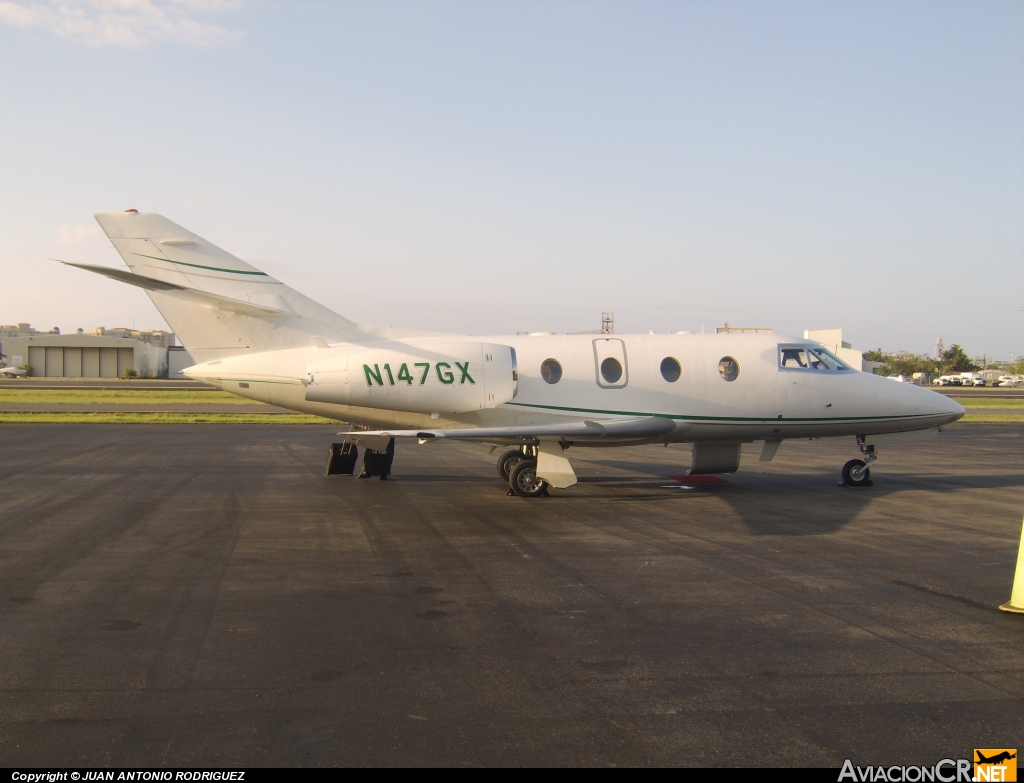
(177, 360)
(152, 336)
(833, 340)
(99, 353)
(726, 329)
(23, 330)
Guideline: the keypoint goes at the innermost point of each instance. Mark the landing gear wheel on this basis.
(524, 482)
(856, 473)
(507, 461)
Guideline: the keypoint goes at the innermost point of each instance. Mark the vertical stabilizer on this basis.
(216, 322)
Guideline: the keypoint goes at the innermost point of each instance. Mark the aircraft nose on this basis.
(948, 406)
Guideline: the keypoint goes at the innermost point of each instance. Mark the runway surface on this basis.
(203, 595)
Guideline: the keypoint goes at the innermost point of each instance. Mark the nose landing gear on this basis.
(857, 472)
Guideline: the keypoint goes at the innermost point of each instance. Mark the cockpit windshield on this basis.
(810, 357)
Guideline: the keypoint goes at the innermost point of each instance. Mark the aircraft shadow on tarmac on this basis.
(790, 504)
(778, 503)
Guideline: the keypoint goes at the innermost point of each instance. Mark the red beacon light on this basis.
(133, 211)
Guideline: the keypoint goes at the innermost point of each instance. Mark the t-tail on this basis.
(216, 303)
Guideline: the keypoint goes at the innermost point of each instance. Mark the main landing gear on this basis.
(857, 472)
(519, 468)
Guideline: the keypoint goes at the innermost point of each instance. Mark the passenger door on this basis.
(610, 363)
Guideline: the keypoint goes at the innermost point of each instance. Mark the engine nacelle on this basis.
(432, 377)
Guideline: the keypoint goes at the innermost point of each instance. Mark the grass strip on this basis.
(163, 418)
(993, 417)
(982, 402)
(115, 396)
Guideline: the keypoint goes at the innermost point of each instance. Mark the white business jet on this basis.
(540, 394)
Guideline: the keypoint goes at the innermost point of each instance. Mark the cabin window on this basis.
(729, 368)
(671, 369)
(243, 385)
(611, 370)
(551, 371)
(807, 357)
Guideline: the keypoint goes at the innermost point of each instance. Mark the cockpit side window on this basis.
(792, 358)
(807, 357)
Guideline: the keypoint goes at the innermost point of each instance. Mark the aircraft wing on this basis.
(613, 429)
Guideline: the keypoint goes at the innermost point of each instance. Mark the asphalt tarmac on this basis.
(204, 595)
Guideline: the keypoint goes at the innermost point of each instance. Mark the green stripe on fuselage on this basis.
(746, 419)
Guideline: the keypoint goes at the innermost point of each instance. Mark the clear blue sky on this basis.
(494, 167)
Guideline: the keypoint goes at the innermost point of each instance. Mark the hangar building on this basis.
(99, 353)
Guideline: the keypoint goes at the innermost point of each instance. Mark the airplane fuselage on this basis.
(764, 400)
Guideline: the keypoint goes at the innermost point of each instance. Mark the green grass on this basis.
(119, 396)
(163, 418)
(984, 402)
(993, 417)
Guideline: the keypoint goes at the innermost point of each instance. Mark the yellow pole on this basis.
(1016, 602)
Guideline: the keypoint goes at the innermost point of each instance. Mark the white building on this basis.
(833, 340)
(100, 353)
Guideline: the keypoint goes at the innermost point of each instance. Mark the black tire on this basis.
(506, 461)
(856, 473)
(524, 482)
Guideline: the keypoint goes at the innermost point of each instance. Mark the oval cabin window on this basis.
(729, 368)
(671, 369)
(551, 371)
(611, 370)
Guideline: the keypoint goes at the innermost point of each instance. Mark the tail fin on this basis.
(216, 303)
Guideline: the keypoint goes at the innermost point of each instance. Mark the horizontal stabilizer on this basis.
(624, 429)
(204, 297)
(127, 277)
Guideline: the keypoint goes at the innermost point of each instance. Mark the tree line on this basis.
(953, 360)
